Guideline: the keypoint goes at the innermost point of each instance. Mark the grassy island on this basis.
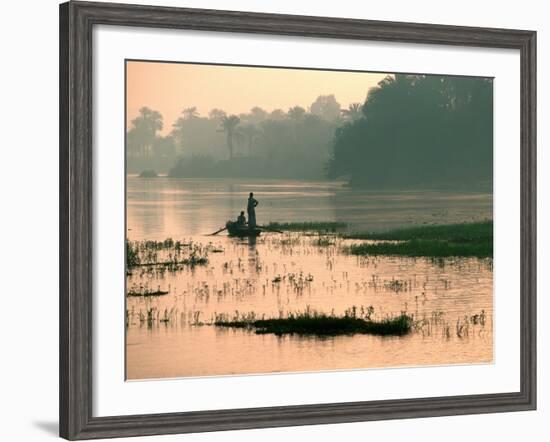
(323, 325)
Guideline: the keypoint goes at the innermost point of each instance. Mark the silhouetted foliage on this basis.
(353, 112)
(412, 131)
(141, 136)
(295, 144)
(326, 107)
(146, 149)
(229, 125)
(419, 130)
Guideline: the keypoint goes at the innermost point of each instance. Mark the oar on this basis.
(218, 231)
(270, 229)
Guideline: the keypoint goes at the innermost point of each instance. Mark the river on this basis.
(278, 274)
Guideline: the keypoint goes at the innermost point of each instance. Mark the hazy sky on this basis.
(171, 87)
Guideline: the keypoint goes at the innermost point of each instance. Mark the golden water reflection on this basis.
(278, 274)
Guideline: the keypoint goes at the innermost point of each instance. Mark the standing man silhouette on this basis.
(251, 209)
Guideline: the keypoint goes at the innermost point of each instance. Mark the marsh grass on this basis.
(321, 324)
(325, 241)
(144, 291)
(467, 239)
(427, 248)
(167, 255)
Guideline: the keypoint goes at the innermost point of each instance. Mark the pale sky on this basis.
(171, 87)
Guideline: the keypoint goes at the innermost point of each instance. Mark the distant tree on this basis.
(277, 115)
(144, 128)
(257, 115)
(326, 107)
(178, 134)
(353, 112)
(134, 143)
(296, 113)
(419, 130)
(190, 112)
(216, 114)
(229, 125)
(250, 132)
(164, 147)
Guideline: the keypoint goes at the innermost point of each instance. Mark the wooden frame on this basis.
(76, 23)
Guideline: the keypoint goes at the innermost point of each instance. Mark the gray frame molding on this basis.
(76, 161)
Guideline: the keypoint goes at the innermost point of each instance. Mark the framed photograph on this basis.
(272, 220)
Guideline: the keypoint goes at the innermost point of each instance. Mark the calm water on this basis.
(278, 274)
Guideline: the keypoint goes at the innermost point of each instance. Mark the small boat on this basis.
(236, 229)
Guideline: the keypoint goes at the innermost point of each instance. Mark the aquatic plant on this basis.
(144, 291)
(321, 324)
(427, 248)
(167, 255)
(325, 241)
(436, 241)
(132, 255)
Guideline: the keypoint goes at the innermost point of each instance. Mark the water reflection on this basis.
(276, 274)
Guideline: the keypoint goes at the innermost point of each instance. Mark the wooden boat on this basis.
(242, 231)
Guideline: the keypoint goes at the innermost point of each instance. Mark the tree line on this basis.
(419, 131)
(281, 144)
(412, 131)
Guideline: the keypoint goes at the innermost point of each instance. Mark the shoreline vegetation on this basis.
(321, 324)
(445, 138)
(439, 241)
(471, 239)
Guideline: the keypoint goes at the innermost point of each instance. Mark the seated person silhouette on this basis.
(241, 220)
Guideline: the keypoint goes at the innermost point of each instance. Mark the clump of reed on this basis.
(145, 291)
(168, 255)
(463, 327)
(152, 316)
(321, 324)
(324, 241)
(298, 282)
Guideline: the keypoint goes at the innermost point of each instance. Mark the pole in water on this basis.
(218, 231)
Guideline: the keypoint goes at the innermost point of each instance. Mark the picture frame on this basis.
(77, 20)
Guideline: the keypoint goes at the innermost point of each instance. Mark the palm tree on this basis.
(395, 86)
(353, 112)
(178, 132)
(249, 132)
(229, 124)
(216, 114)
(144, 129)
(190, 112)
